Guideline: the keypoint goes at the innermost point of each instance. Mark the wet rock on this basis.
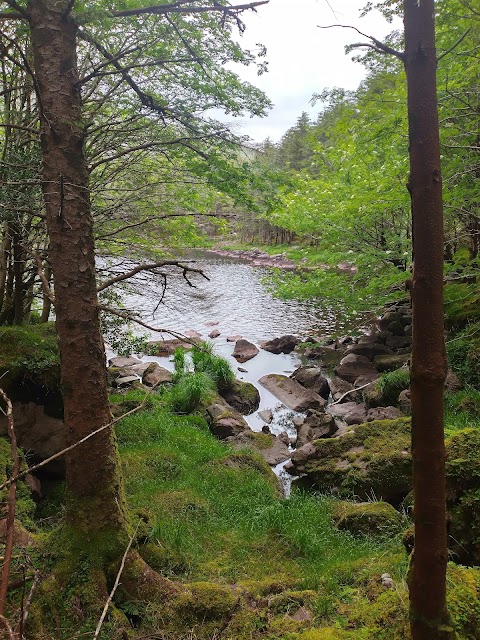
(242, 396)
(291, 393)
(191, 333)
(284, 344)
(166, 348)
(155, 375)
(124, 362)
(233, 338)
(349, 412)
(266, 415)
(339, 387)
(369, 350)
(224, 421)
(352, 366)
(242, 370)
(214, 334)
(244, 350)
(312, 378)
(391, 362)
(384, 413)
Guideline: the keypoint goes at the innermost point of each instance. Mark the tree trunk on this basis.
(95, 501)
(428, 576)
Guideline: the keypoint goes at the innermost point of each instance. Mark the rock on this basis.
(35, 486)
(387, 581)
(328, 354)
(126, 381)
(389, 317)
(272, 449)
(316, 425)
(312, 378)
(452, 382)
(369, 350)
(405, 402)
(139, 369)
(353, 366)
(367, 518)
(384, 413)
(266, 429)
(266, 415)
(370, 459)
(214, 334)
(339, 387)
(124, 362)
(165, 348)
(349, 412)
(193, 334)
(302, 615)
(38, 433)
(233, 338)
(224, 421)
(284, 344)
(242, 370)
(242, 396)
(391, 362)
(244, 350)
(291, 393)
(155, 375)
(398, 342)
(297, 421)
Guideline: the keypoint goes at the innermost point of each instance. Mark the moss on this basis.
(367, 518)
(372, 459)
(290, 601)
(463, 600)
(328, 633)
(464, 355)
(245, 460)
(463, 494)
(242, 396)
(25, 506)
(204, 601)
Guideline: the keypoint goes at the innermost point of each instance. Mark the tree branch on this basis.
(380, 47)
(461, 39)
(177, 7)
(45, 284)
(150, 267)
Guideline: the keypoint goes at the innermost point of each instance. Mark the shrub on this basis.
(190, 390)
(218, 368)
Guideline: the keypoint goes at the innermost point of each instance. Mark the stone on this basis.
(339, 387)
(369, 350)
(35, 486)
(367, 518)
(244, 350)
(387, 581)
(242, 396)
(291, 393)
(233, 338)
(384, 413)
(124, 362)
(453, 382)
(316, 425)
(126, 381)
(166, 348)
(352, 366)
(155, 375)
(391, 362)
(191, 333)
(388, 318)
(398, 342)
(272, 449)
(139, 369)
(284, 344)
(224, 421)
(312, 378)
(266, 415)
(349, 412)
(242, 370)
(396, 328)
(369, 459)
(214, 334)
(405, 402)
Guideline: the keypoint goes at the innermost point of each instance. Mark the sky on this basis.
(303, 59)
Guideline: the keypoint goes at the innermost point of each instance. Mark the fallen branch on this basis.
(12, 497)
(28, 604)
(347, 393)
(7, 627)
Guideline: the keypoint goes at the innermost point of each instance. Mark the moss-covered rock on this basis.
(367, 518)
(242, 396)
(463, 494)
(204, 601)
(372, 459)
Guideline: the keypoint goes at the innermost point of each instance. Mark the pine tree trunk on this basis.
(94, 488)
(428, 575)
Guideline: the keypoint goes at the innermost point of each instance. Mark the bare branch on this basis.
(45, 284)
(150, 267)
(380, 47)
(177, 7)
(347, 393)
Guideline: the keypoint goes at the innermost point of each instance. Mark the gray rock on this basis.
(369, 350)
(242, 396)
(383, 413)
(155, 375)
(284, 344)
(233, 338)
(349, 412)
(224, 421)
(353, 366)
(266, 415)
(214, 334)
(244, 350)
(398, 342)
(392, 362)
(405, 402)
(127, 381)
(124, 362)
(291, 393)
(312, 378)
(339, 387)
(316, 425)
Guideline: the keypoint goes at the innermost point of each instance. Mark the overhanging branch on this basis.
(377, 45)
(181, 7)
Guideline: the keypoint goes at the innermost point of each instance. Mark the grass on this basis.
(462, 410)
(218, 518)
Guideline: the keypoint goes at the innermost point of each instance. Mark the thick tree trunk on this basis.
(94, 488)
(428, 576)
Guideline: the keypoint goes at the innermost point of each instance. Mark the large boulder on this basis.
(340, 387)
(291, 393)
(391, 362)
(371, 459)
(312, 378)
(273, 449)
(154, 375)
(369, 350)
(367, 518)
(284, 344)
(166, 348)
(244, 350)
(353, 366)
(242, 396)
(349, 412)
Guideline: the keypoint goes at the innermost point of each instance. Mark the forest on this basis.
(239, 381)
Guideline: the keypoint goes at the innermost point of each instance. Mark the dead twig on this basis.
(28, 604)
(115, 586)
(12, 496)
(347, 393)
(45, 284)
(7, 627)
(150, 267)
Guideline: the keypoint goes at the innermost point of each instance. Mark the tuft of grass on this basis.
(218, 368)
(191, 390)
(462, 410)
(392, 383)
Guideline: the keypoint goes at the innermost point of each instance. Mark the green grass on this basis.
(462, 410)
(219, 518)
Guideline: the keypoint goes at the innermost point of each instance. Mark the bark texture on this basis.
(429, 368)
(94, 488)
